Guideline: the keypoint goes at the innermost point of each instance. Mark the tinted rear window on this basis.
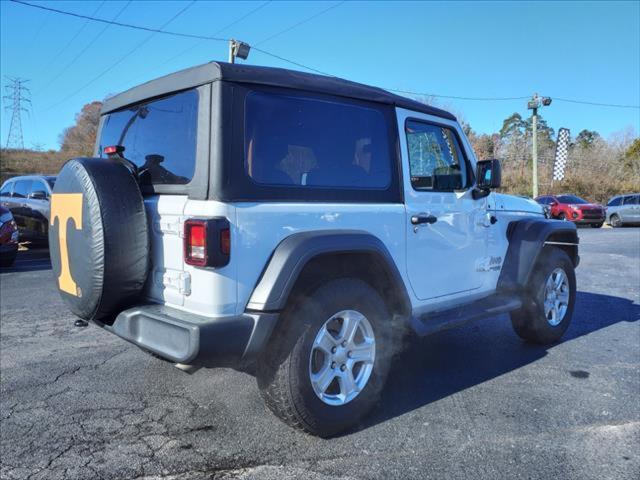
(22, 188)
(306, 142)
(158, 136)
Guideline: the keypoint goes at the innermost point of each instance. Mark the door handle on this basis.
(423, 218)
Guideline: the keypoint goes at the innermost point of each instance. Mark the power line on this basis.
(583, 102)
(87, 46)
(292, 62)
(126, 55)
(335, 5)
(18, 95)
(488, 99)
(119, 24)
(273, 55)
(235, 22)
(70, 42)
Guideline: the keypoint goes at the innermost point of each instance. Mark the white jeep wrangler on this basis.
(299, 225)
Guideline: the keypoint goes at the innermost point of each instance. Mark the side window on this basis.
(22, 188)
(630, 200)
(615, 202)
(6, 190)
(40, 187)
(436, 161)
(544, 200)
(315, 143)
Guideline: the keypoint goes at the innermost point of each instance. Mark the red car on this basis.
(575, 209)
(8, 238)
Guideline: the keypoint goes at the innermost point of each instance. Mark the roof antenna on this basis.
(238, 49)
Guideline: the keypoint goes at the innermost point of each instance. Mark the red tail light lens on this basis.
(207, 242)
(195, 252)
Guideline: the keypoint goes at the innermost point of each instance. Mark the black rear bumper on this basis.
(192, 339)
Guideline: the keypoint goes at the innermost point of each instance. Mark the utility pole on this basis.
(533, 104)
(17, 95)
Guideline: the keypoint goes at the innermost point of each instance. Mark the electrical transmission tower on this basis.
(17, 97)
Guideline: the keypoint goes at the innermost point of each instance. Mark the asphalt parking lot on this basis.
(474, 402)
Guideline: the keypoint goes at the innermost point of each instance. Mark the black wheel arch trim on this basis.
(527, 238)
(294, 252)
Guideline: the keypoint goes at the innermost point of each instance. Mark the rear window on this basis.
(22, 188)
(308, 142)
(159, 136)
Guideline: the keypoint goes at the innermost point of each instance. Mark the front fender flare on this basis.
(527, 238)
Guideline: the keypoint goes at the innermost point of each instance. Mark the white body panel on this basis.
(262, 226)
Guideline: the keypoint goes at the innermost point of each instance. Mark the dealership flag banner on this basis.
(562, 151)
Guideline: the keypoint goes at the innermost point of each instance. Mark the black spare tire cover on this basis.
(98, 237)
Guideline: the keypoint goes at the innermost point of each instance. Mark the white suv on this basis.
(298, 225)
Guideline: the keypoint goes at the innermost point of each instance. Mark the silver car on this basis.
(623, 209)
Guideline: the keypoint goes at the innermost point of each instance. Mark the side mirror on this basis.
(38, 195)
(553, 203)
(488, 174)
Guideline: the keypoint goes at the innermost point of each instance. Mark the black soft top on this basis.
(277, 77)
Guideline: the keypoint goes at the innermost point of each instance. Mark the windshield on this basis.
(571, 199)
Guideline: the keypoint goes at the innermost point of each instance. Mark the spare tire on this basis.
(98, 237)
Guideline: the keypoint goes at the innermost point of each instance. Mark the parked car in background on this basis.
(28, 199)
(623, 209)
(575, 209)
(8, 238)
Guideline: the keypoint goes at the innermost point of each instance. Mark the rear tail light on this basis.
(207, 242)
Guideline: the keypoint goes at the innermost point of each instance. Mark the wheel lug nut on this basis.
(333, 349)
(333, 365)
(343, 368)
(344, 344)
(349, 354)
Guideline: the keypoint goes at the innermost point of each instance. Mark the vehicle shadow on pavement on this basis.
(443, 364)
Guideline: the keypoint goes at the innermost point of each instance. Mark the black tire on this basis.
(562, 216)
(284, 373)
(530, 322)
(106, 259)
(596, 225)
(615, 221)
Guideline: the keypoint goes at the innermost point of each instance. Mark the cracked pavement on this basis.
(79, 403)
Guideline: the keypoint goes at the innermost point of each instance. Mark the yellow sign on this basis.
(65, 206)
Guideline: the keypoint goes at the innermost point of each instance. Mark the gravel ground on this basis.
(472, 402)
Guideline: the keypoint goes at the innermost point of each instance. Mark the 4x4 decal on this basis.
(65, 206)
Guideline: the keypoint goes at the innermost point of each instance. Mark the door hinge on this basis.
(171, 226)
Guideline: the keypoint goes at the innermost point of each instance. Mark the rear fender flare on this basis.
(295, 251)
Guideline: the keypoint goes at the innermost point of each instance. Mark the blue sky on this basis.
(576, 50)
